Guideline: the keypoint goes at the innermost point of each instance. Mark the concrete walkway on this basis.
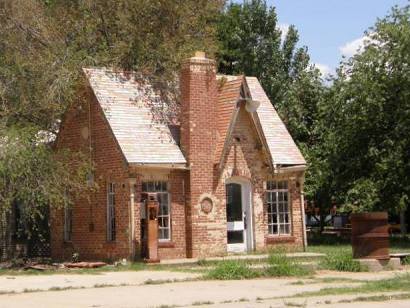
(254, 257)
(243, 293)
(23, 283)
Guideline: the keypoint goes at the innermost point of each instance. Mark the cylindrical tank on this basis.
(370, 236)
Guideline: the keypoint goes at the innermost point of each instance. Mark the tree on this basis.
(365, 121)
(44, 44)
(250, 43)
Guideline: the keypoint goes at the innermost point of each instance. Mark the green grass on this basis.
(231, 270)
(398, 283)
(342, 262)
(376, 298)
(331, 244)
(280, 265)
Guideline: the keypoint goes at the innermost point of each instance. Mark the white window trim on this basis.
(276, 191)
(110, 237)
(169, 239)
(169, 218)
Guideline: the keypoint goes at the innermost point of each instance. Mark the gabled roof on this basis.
(142, 138)
(280, 144)
(228, 95)
(273, 133)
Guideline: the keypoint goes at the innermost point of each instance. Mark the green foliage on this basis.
(280, 265)
(231, 270)
(342, 262)
(362, 156)
(250, 43)
(33, 175)
(44, 45)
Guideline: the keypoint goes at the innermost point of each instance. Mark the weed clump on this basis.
(342, 262)
(232, 270)
(280, 265)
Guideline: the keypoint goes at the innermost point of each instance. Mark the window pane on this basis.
(281, 207)
(269, 197)
(271, 208)
(282, 229)
(235, 237)
(281, 218)
(234, 202)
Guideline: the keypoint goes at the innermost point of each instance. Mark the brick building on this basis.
(227, 174)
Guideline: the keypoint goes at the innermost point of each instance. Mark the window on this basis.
(164, 215)
(68, 221)
(111, 212)
(278, 207)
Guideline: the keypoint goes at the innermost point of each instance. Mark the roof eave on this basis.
(179, 166)
(292, 168)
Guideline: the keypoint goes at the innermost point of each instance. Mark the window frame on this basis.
(111, 223)
(152, 186)
(272, 187)
(68, 222)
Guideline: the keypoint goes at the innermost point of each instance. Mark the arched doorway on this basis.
(239, 215)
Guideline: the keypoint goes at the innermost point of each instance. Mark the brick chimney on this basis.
(198, 135)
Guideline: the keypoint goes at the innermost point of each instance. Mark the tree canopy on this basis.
(364, 153)
(44, 44)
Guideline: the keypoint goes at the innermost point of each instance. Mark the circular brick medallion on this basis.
(206, 205)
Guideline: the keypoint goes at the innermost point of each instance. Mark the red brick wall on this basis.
(89, 237)
(176, 179)
(194, 233)
(198, 141)
(246, 158)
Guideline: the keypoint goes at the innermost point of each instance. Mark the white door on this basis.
(235, 215)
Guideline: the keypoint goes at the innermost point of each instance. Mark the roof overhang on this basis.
(179, 166)
(280, 169)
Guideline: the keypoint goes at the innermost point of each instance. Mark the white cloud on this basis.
(284, 28)
(324, 69)
(356, 46)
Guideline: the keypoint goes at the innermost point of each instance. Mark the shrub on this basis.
(280, 265)
(231, 270)
(342, 262)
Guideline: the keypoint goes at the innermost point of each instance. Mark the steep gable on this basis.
(280, 143)
(143, 139)
(228, 95)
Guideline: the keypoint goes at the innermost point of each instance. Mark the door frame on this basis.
(247, 208)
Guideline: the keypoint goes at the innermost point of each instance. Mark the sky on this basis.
(330, 28)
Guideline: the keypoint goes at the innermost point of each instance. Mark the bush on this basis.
(280, 265)
(342, 262)
(231, 270)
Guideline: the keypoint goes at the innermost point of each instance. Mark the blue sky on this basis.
(331, 27)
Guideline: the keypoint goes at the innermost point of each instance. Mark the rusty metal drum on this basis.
(370, 236)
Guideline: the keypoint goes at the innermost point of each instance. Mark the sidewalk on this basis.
(254, 257)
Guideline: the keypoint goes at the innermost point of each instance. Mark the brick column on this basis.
(198, 140)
